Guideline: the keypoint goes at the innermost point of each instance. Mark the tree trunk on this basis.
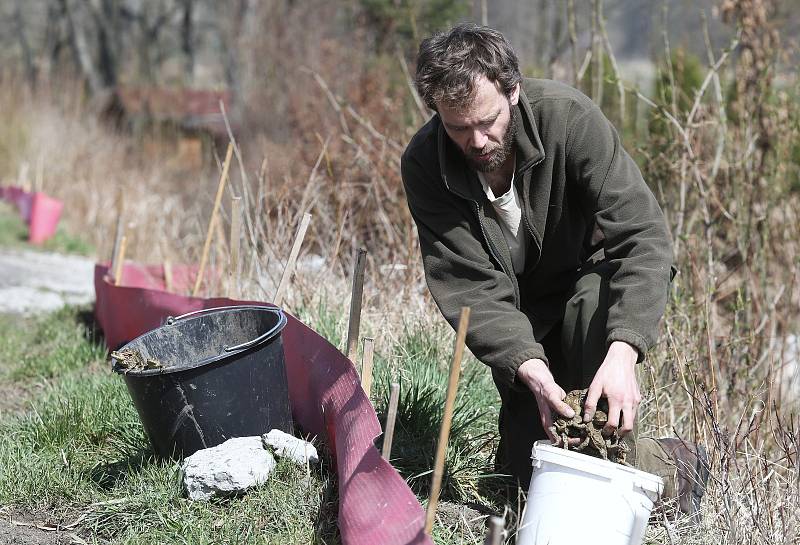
(187, 38)
(80, 46)
(25, 48)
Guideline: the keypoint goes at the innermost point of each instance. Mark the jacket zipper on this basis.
(496, 254)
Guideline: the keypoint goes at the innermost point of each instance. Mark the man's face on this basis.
(485, 130)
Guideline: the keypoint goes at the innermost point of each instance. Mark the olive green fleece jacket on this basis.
(571, 171)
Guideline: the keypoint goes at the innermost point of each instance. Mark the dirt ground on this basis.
(28, 285)
(19, 528)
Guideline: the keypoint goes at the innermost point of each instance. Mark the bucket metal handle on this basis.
(172, 319)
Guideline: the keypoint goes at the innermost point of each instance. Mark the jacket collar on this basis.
(462, 180)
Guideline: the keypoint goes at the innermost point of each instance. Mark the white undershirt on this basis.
(509, 212)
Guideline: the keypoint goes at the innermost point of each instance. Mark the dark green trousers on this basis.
(575, 346)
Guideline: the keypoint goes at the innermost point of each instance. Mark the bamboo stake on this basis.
(22, 176)
(366, 365)
(39, 180)
(391, 418)
(168, 283)
(218, 260)
(354, 324)
(289, 269)
(118, 232)
(209, 234)
(234, 246)
(496, 528)
(120, 261)
(444, 432)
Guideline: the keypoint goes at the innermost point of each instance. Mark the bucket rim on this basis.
(226, 353)
(544, 451)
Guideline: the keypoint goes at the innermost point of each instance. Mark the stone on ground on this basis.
(289, 446)
(227, 469)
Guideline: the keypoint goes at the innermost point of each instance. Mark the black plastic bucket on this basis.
(221, 373)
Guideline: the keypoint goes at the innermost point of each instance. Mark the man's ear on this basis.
(513, 98)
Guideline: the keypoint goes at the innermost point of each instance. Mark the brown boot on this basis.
(691, 476)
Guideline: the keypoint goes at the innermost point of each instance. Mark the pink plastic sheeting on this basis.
(39, 211)
(376, 507)
(45, 213)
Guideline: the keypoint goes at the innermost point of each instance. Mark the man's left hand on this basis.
(616, 380)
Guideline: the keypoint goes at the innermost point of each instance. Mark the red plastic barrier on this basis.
(39, 211)
(376, 507)
(45, 213)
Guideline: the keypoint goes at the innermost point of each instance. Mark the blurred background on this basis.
(108, 96)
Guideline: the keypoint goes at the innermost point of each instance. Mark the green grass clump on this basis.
(420, 361)
(13, 231)
(46, 346)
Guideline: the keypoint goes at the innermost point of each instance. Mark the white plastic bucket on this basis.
(576, 498)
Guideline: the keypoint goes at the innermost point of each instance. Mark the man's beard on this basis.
(500, 153)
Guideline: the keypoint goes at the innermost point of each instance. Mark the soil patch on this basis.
(21, 527)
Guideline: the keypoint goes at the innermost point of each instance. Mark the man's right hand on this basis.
(549, 396)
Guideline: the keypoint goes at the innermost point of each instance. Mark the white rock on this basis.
(289, 446)
(229, 468)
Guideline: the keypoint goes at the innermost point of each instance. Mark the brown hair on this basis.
(449, 63)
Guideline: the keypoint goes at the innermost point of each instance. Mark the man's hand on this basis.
(549, 396)
(616, 380)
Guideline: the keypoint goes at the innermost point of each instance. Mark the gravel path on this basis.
(33, 282)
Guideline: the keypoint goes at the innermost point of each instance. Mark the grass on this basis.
(14, 234)
(80, 454)
(418, 359)
(79, 451)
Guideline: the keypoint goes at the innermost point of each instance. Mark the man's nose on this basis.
(478, 139)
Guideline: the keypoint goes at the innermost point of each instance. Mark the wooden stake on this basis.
(444, 432)
(39, 180)
(354, 324)
(366, 365)
(168, 283)
(391, 418)
(119, 231)
(220, 188)
(120, 261)
(234, 246)
(288, 271)
(496, 527)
